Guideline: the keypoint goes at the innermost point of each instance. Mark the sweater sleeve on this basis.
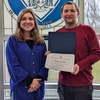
(17, 73)
(94, 52)
(43, 70)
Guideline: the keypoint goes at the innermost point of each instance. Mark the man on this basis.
(78, 84)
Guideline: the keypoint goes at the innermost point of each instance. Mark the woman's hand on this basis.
(47, 52)
(34, 85)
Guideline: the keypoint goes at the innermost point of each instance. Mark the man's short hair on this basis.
(70, 3)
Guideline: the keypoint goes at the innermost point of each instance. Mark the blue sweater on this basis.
(23, 61)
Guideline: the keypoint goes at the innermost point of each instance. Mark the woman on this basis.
(25, 55)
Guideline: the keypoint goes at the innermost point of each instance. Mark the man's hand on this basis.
(76, 69)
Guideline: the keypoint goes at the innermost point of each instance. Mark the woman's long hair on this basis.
(34, 33)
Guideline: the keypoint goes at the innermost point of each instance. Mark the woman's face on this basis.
(27, 22)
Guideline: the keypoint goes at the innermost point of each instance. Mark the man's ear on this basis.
(78, 14)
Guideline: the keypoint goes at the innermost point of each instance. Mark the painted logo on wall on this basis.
(47, 12)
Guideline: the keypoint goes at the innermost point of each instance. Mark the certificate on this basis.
(60, 62)
(62, 42)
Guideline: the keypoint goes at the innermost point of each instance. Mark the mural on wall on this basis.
(47, 12)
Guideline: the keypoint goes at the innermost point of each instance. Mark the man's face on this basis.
(69, 14)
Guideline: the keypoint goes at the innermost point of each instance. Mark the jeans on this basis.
(75, 93)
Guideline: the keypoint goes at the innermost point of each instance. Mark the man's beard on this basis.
(70, 23)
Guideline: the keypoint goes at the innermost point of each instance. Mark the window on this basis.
(91, 17)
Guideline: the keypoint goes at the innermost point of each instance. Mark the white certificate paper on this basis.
(61, 62)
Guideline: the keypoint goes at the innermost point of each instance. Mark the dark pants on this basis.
(74, 93)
